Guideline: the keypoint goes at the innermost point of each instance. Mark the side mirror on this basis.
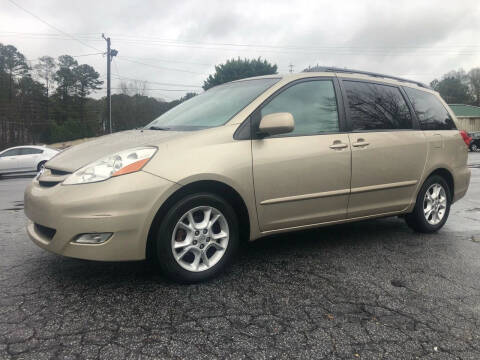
(276, 123)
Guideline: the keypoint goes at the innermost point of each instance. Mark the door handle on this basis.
(338, 145)
(360, 143)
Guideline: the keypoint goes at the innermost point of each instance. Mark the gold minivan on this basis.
(250, 158)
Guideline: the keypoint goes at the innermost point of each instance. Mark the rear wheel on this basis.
(474, 147)
(197, 238)
(432, 206)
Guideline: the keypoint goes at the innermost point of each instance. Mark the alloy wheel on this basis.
(200, 238)
(435, 204)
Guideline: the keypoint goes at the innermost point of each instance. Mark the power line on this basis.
(161, 67)
(74, 56)
(52, 26)
(154, 82)
(136, 88)
(165, 60)
(459, 49)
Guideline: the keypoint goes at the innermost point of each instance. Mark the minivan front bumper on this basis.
(124, 206)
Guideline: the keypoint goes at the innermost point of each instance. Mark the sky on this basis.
(175, 45)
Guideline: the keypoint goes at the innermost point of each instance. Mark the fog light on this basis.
(93, 238)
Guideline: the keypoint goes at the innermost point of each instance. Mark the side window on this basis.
(30, 151)
(313, 105)
(376, 107)
(431, 113)
(11, 152)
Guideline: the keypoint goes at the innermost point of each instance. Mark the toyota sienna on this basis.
(250, 158)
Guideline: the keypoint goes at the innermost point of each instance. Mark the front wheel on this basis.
(474, 147)
(432, 206)
(197, 238)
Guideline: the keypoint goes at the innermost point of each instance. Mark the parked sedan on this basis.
(475, 142)
(24, 159)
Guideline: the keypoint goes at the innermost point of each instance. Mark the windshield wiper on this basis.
(158, 128)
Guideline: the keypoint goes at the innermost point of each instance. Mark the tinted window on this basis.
(313, 105)
(431, 113)
(376, 107)
(29, 151)
(11, 152)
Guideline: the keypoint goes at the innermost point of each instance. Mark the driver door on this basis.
(303, 177)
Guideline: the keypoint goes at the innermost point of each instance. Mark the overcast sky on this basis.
(174, 45)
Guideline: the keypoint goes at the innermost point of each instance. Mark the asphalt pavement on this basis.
(367, 290)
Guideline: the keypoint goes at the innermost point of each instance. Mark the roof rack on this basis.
(351, 71)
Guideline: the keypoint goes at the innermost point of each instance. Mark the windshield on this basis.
(213, 107)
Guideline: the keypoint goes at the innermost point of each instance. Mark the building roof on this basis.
(463, 110)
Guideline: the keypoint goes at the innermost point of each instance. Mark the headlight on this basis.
(121, 163)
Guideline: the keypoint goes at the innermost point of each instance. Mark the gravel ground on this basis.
(368, 290)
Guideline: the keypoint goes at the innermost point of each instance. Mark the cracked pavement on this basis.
(366, 290)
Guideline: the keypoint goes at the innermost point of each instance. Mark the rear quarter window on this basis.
(431, 113)
(30, 151)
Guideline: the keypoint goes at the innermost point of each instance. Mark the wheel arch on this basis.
(447, 175)
(42, 161)
(211, 186)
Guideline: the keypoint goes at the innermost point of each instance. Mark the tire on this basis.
(40, 165)
(474, 147)
(188, 269)
(417, 219)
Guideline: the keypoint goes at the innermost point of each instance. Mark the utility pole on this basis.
(110, 54)
(291, 68)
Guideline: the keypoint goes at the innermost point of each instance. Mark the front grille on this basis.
(45, 232)
(48, 183)
(52, 177)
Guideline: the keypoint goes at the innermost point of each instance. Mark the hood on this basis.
(83, 154)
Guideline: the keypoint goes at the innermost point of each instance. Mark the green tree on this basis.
(30, 115)
(235, 69)
(65, 76)
(86, 81)
(13, 65)
(453, 90)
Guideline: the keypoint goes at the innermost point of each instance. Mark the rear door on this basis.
(388, 149)
(302, 177)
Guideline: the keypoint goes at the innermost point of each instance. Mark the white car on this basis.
(25, 158)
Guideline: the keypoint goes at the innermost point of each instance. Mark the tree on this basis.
(235, 69)
(86, 81)
(187, 96)
(12, 66)
(65, 76)
(45, 70)
(474, 80)
(30, 109)
(136, 87)
(453, 91)
(13, 63)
